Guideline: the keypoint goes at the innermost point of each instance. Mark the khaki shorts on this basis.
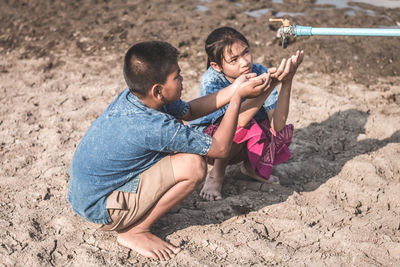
(127, 208)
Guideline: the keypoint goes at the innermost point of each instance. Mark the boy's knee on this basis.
(189, 167)
(197, 167)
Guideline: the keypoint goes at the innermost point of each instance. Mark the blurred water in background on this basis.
(340, 4)
(345, 3)
(351, 9)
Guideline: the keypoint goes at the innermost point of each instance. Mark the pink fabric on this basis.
(265, 147)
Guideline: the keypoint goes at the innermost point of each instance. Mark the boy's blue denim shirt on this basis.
(212, 81)
(127, 139)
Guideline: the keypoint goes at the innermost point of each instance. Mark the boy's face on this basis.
(172, 88)
(237, 61)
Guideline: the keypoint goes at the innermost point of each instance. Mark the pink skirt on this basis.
(265, 147)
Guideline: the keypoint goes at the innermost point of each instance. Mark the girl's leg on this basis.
(215, 178)
(246, 167)
(248, 170)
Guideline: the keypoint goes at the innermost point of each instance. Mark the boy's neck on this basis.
(149, 101)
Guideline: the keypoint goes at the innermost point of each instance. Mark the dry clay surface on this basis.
(339, 199)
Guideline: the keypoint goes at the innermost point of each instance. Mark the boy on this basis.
(137, 161)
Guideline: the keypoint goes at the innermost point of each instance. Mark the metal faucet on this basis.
(285, 30)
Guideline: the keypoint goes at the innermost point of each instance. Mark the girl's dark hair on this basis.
(219, 40)
(148, 63)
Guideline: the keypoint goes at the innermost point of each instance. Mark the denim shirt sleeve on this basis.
(270, 102)
(177, 109)
(187, 139)
(170, 136)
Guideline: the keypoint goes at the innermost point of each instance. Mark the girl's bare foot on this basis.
(247, 170)
(212, 187)
(147, 244)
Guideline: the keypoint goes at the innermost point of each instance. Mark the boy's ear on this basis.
(156, 91)
(215, 66)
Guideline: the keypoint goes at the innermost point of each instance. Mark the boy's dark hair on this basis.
(148, 63)
(219, 40)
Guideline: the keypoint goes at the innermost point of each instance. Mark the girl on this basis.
(262, 136)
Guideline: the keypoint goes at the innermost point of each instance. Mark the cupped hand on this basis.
(296, 61)
(255, 86)
(287, 68)
(241, 79)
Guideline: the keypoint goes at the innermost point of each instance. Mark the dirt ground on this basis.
(339, 199)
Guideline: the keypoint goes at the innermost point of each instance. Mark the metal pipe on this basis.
(287, 30)
(309, 31)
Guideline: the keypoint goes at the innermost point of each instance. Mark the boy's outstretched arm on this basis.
(205, 105)
(222, 139)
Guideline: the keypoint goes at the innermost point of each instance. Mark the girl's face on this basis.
(236, 61)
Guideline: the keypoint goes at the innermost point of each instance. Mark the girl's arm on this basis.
(222, 138)
(278, 116)
(250, 107)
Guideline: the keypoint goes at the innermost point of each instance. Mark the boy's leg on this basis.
(189, 171)
(213, 185)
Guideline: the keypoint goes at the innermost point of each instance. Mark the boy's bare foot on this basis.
(147, 244)
(212, 188)
(246, 169)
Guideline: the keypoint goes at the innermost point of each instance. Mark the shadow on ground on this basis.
(319, 153)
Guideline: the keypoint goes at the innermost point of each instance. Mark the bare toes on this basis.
(153, 255)
(165, 254)
(174, 249)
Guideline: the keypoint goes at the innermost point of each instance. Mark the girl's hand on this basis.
(296, 61)
(287, 68)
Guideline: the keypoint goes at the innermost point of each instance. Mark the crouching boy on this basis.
(137, 160)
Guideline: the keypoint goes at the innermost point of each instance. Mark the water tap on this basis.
(285, 30)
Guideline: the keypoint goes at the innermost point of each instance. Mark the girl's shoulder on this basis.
(259, 69)
(211, 76)
(212, 81)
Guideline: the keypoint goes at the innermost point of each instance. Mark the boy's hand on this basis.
(241, 79)
(254, 86)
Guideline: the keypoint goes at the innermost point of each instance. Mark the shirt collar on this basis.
(136, 101)
(139, 104)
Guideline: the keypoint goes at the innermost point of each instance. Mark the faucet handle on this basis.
(285, 22)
